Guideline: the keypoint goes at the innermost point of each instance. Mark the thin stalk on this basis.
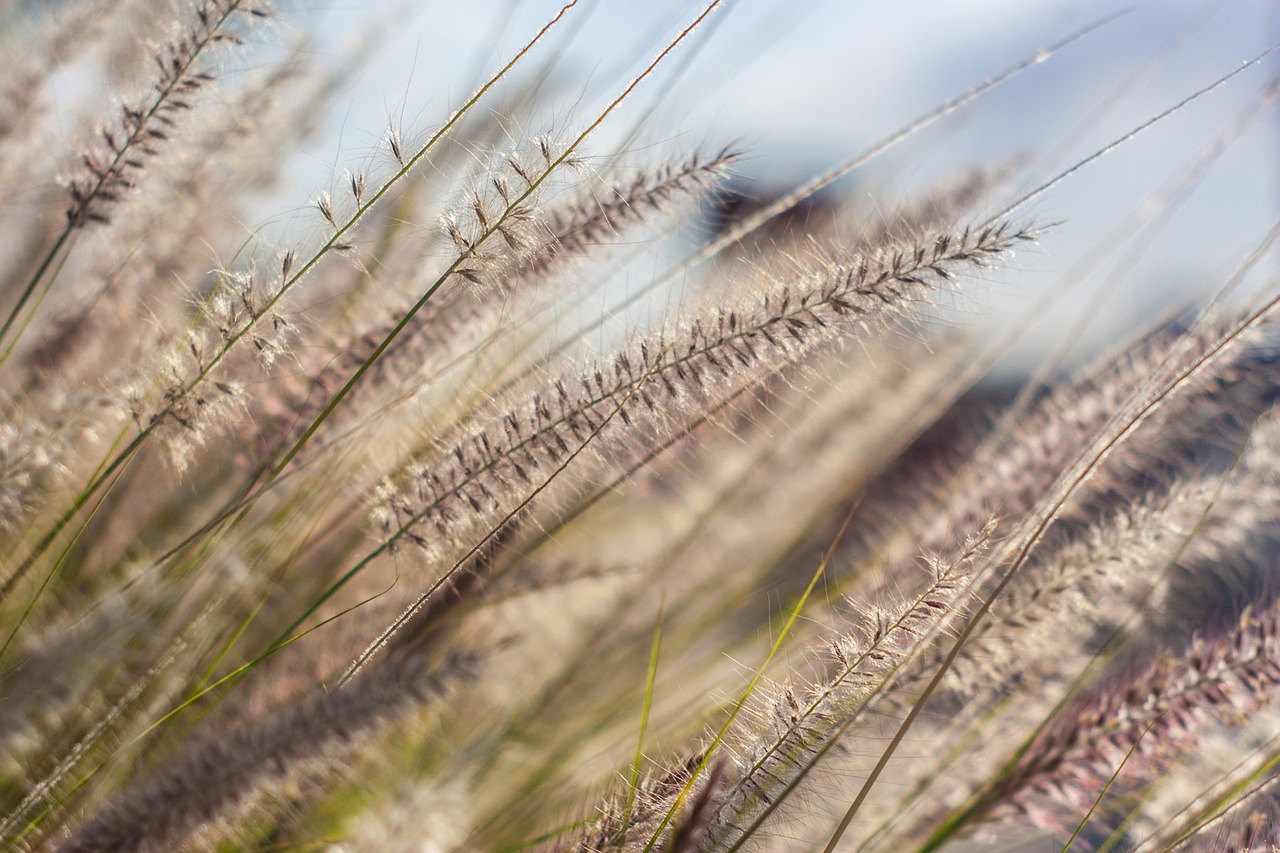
(651, 677)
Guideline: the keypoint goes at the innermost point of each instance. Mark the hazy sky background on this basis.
(802, 86)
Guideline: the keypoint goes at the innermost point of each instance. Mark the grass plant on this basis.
(536, 487)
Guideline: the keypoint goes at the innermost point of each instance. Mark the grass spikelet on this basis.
(111, 166)
(1121, 735)
(639, 396)
(802, 727)
(217, 785)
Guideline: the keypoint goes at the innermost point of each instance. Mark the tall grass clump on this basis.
(536, 480)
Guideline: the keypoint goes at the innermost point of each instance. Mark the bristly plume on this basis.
(143, 127)
(1119, 736)
(799, 727)
(227, 778)
(689, 369)
(600, 215)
